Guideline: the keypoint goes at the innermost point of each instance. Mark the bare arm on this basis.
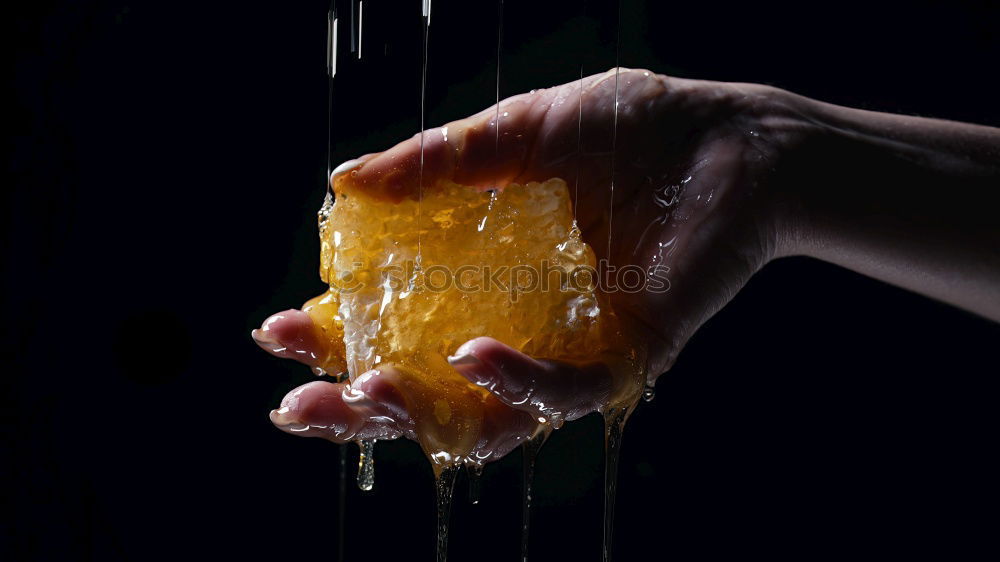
(907, 200)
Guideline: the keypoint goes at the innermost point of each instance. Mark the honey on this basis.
(412, 278)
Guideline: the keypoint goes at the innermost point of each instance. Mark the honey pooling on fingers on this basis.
(410, 281)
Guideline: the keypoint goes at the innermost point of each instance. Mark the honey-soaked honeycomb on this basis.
(412, 280)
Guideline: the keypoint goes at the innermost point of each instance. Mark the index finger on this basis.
(523, 138)
(468, 151)
(549, 390)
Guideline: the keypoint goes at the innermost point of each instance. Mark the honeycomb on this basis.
(410, 280)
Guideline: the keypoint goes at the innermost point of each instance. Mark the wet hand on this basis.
(691, 164)
(524, 391)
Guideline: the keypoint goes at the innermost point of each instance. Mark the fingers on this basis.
(528, 137)
(373, 407)
(370, 408)
(548, 390)
(290, 335)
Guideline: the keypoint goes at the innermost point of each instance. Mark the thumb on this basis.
(548, 390)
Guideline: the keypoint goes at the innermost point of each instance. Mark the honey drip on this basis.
(381, 247)
(366, 464)
(444, 485)
(530, 451)
(649, 392)
(342, 503)
(614, 426)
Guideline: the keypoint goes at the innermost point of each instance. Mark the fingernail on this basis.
(281, 418)
(264, 339)
(471, 368)
(345, 167)
(260, 336)
(463, 360)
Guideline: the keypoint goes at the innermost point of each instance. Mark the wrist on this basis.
(790, 141)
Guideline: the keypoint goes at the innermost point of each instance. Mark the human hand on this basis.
(691, 163)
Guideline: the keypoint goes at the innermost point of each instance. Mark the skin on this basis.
(712, 181)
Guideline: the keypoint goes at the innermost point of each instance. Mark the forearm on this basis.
(914, 202)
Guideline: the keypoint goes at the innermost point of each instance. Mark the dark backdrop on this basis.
(168, 159)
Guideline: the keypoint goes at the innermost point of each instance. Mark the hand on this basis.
(691, 163)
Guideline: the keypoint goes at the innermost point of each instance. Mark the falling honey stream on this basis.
(331, 71)
(614, 426)
(444, 486)
(446, 470)
(530, 451)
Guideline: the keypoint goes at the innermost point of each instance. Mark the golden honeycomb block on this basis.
(411, 280)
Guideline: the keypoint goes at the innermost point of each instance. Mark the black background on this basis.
(168, 159)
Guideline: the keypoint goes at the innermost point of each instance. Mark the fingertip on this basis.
(282, 417)
(353, 165)
(289, 334)
(319, 409)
